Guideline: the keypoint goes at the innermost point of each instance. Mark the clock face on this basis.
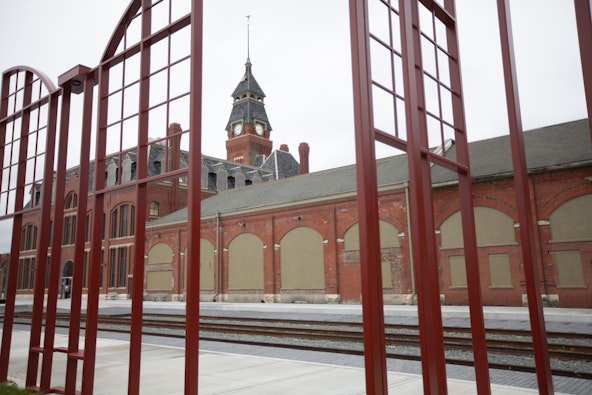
(238, 128)
(259, 129)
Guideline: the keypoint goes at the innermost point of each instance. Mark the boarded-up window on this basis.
(492, 226)
(351, 239)
(572, 220)
(389, 236)
(569, 268)
(160, 253)
(302, 260)
(245, 262)
(499, 271)
(387, 281)
(206, 265)
(458, 272)
(160, 280)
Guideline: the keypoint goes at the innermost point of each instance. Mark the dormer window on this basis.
(154, 209)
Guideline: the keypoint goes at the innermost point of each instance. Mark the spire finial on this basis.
(248, 38)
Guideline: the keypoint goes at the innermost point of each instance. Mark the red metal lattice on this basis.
(407, 94)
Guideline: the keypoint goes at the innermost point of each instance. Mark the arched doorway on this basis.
(66, 280)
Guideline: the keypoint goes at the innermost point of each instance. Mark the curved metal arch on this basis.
(120, 29)
(51, 88)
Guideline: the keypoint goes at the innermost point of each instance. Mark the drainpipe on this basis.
(180, 260)
(218, 258)
(410, 242)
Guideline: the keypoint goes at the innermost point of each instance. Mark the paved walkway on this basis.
(162, 370)
(222, 373)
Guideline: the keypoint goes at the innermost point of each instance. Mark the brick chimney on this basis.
(284, 147)
(304, 150)
(174, 163)
(174, 144)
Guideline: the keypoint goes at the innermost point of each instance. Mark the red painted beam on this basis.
(78, 273)
(194, 202)
(527, 240)
(584, 23)
(370, 259)
(465, 189)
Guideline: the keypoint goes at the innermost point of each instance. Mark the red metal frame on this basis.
(194, 209)
(527, 224)
(54, 271)
(373, 314)
(31, 171)
(584, 23)
(77, 80)
(74, 353)
(414, 140)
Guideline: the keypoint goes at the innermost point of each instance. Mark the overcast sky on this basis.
(300, 52)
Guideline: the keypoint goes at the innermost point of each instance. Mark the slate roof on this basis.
(281, 164)
(248, 83)
(287, 166)
(553, 147)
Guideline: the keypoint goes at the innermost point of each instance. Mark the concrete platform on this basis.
(226, 369)
(223, 373)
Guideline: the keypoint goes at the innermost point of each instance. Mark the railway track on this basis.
(507, 349)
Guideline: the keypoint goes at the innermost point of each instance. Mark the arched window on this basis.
(71, 201)
(29, 238)
(122, 221)
(302, 259)
(69, 236)
(571, 233)
(245, 262)
(26, 269)
(494, 229)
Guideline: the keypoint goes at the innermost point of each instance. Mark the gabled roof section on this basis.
(281, 164)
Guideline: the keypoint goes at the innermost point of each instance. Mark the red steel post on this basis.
(140, 228)
(465, 187)
(56, 246)
(92, 310)
(370, 259)
(74, 353)
(194, 202)
(41, 254)
(421, 207)
(15, 246)
(584, 23)
(531, 275)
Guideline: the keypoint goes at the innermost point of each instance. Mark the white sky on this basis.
(300, 52)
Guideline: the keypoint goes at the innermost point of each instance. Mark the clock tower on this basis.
(248, 127)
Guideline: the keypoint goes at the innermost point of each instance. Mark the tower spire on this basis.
(248, 39)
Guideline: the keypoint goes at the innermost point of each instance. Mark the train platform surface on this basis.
(230, 370)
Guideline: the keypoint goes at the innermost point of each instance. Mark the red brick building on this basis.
(272, 235)
(296, 240)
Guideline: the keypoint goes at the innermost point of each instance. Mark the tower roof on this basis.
(248, 84)
(248, 101)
